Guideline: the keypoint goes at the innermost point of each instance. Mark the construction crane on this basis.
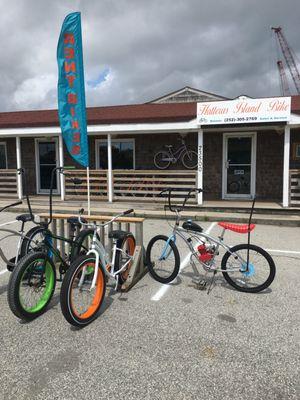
(290, 62)
(285, 88)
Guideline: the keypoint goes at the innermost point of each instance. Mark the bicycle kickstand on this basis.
(211, 283)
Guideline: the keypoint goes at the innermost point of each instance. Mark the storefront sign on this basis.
(244, 110)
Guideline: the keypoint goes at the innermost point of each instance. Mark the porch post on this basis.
(109, 175)
(61, 164)
(286, 167)
(200, 167)
(19, 164)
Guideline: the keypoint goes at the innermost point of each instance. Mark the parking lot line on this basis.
(3, 272)
(283, 251)
(164, 288)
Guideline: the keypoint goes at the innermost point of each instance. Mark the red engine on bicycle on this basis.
(205, 253)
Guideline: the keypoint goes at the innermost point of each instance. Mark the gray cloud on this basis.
(149, 47)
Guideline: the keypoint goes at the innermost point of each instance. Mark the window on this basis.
(122, 154)
(296, 151)
(3, 156)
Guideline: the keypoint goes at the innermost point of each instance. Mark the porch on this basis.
(135, 186)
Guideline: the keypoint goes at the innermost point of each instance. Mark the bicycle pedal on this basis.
(201, 285)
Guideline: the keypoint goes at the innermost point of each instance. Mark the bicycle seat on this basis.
(239, 228)
(74, 221)
(117, 234)
(24, 217)
(189, 225)
(169, 146)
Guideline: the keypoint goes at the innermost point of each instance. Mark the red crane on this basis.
(289, 59)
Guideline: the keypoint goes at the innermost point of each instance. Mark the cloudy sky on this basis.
(137, 50)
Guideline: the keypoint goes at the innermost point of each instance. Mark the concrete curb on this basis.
(237, 217)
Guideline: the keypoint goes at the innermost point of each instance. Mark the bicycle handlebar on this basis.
(169, 191)
(11, 205)
(81, 211)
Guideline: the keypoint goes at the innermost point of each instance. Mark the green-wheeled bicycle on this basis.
(33, 280)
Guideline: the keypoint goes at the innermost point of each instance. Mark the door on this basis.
(239, 166)
(46, 161)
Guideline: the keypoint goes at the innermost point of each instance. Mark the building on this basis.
(235, 160)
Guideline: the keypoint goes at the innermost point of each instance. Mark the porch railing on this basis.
(295, 187)
(8, 183)
(133, 185)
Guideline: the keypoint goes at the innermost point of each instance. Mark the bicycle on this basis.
(22, 246)
(33, 280)
(240, 265)
(84, 284)
(164, 158)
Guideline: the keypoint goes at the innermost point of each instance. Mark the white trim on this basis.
(37, 164)
(109, 170)
(200, 167)
(225, 195)
(61, 164)
(19, 165)
(5, 146)
(286, 166)
(99, 141)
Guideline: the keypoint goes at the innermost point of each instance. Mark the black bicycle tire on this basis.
(77, 245)
(120, 243)
(157, 165)
(28, 238)
(65, 301)
(13, 296)
(258, 249)
(149, 263)
(182, 159)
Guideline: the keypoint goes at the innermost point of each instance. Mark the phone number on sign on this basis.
(240, 119)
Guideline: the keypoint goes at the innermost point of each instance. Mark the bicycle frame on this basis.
(202, 237)
(177, 153)
(98, 250)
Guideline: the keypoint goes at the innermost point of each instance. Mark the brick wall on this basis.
(269, 165)
(28, 162)
(212, 165)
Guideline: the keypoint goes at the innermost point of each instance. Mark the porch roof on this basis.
(124, 114)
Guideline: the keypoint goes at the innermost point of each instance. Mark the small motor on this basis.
(206, 252)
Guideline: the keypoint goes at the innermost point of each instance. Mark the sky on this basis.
(138, 50)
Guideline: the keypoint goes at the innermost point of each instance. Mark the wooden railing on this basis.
(98, 184)
(8, 183)
(133, 185)
(295, 187)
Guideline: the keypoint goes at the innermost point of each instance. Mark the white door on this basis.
(239, 165)
(46, 161)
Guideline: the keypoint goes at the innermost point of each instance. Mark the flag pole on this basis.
(88, 190)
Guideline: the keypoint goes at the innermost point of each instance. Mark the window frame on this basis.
(5, 147)
(127, 140)
(296, 149)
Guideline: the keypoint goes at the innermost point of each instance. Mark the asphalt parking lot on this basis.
(176, 343)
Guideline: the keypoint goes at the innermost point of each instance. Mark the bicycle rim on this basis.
(84, 301)
(36, 285)
(162, 259)
(128, 247)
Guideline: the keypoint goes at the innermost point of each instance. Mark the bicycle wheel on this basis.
(162, 259)
(33, 240)
(82, 243)
(190, 159)
(260, 273)
(79, 303)
(31, 285)
(127, 246)
(161, 160)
